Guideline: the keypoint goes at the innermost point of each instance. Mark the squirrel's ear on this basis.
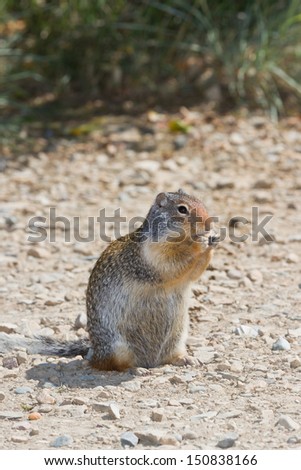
(161, 199)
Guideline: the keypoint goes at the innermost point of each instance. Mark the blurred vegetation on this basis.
(245, 52)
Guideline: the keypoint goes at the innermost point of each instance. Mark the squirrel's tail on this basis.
(44, 345)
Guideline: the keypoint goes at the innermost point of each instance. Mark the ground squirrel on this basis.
(137, 313)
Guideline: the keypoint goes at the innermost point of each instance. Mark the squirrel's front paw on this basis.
(186, 361)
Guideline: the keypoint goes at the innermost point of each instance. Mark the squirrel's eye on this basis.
(183, 209)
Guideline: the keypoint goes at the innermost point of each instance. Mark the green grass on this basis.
(249, 50)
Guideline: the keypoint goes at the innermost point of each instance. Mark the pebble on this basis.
(62, 441)
(255, 276)
(101, 406)
(23, 390)
(8, 328)
(2, 396)
(45, 409)
(22, 357)
(10, 363)
(19, 439)
(281, 345)
(45, 398)
(227, 441)
(234, 274)
(295, 363)
(292, 258)
(190, 435)
(236, 138)
(129, 439)
(54, 301)
(34, 416)
(180, 141)
(170, 440)
(81, 321)
(38, 252)
(288, 423)
(10, 415)
(151, 437)
(133, 386)
(114, 411)
(151, 166)
(245, 330)
(206, 415)
(148, 404)
(157, 416)
(294, 440)
(22, 426)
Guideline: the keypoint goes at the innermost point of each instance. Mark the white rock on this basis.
(288, 423)
(245, 330)
(281, 345)
(114, 411)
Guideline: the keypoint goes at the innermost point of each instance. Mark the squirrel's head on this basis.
(178, 217)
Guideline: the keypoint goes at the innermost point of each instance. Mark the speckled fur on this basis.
(137, 292)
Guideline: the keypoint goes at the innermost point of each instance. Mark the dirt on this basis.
(245, 394)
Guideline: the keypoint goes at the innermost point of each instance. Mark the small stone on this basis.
(281, 345)
(151, 166)
(180, 141)
(288, 423)
(227, 441)
(54, 301)
(22, 357)
(62, 441)
(255, 276)
(177, 379)
(148, 403)
(10, 363)
(23, 426)
(169, 440)
(157, 416)
(245, 330)
(2, 396)
(114, 411)
(10, 415)
(263, 184)
(129, 439)
(263, 197)
(34, 416)
(190, 435)
(133, 386)
(294, 440)
(8, 328)
(23, 390)
(173, 402)
(81, 321)
(34, 432)
(292, 258)
(80, 401)
(38, 252)
(236, 138)
(45, 398)
(234, 274)
(45, 409)
(206, 415)
(101, 406)
(19, 439)
(295, 363)
(152, 437)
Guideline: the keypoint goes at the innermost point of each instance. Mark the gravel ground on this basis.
(245, 310)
